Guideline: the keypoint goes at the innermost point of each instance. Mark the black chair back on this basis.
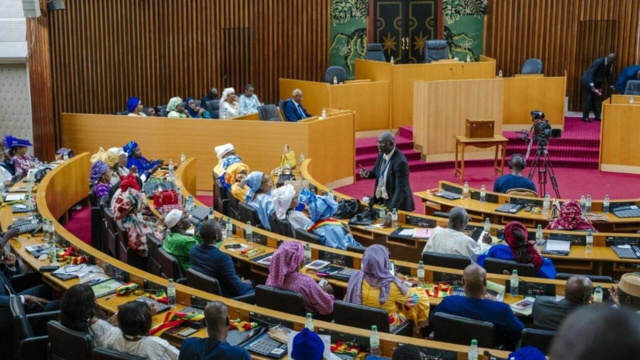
(280, 226)
(246, 213)
(531, 66)
(337, 72)
(499, 266)
(101, 353)
(460, 330)
(282, 105)
(125, 112)
(127, 254)
(632, 88)
(445, 260)
(203, 282)
(280, 300)
(169, 265)
(162, 110)
(435, 50)
(593, 278)
(213, 107)
(304, 235)
(98, 236)
(153, 261)
(233, 207)
(66, 344)
(357, 249)
(110, 229)
(30, 338)
(540, 339)
(375, 52)
(360, 316)
(220, 197)
(441, 214)
(268, 113)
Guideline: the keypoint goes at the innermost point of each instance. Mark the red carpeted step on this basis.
(406, 131)
(370, 145)
(369, 159)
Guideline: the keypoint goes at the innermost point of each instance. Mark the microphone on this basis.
(453, 72)
(463, 70)
(491, 356)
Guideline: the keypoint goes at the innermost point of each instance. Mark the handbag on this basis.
(367, 217)
(163, 198)
(347, 208)
(288, 157)
(284, 176)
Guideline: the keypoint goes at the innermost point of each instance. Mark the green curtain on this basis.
(348, 33)
(464, 27)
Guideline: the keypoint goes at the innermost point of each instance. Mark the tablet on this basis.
(106, 287)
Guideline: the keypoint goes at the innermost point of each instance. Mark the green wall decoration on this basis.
(348, 33)
(464, 27)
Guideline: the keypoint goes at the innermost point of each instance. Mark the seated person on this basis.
(627, 294)
(150, 111)
(521, 250)
(226, 155)
(549, 313)
(249, 102)
(307, 345)
(100, 179)
(6, 177)
(18, 149)
(375, 286)
(628, 73)
(259, 196)
(119, 169)
(407, 352)
(177, 242)
(477, 307)
(143, 166)
(196, 112)
(131, 336)
(176, 108)
(135, 107)
(211, 261)
(233, 177)
(285, 204)
(127, 204)
(453, 240)
(6, 163)
(211, 95)
(34, 299)
(284, 273)
(229, 105)
(215, 346)
(570, 218)
(293, 109)
(332, 232)
(79, 311)
(515, 180)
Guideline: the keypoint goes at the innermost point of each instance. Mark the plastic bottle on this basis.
(335, 80)
(249, 233)
(307, 253)
(583, 203)
(483, 194)
(210, 217)
(65, 156)
(631, 100)
(539, 240)
(589, 241)
(468, 58)
(394, 219)
(171, 293)
(392, 60)
(301, 158)
(587, 208)
(465, 191)
(473, 350)
(171, 166)
(546, 204)
(228, 227)
(308, 323)
(190, 204)
(487, 225)
(52, 249)
(324, 113)
(179, 194)
(420, 273)
(383, 213)
(514, 283)
(330, 194)
(500, 73)
(374, 341)
(597, 295)
(45, 231)
(183, 157)
(605, 204)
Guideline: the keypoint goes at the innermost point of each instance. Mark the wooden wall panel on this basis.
(562, 33)
(105, 51)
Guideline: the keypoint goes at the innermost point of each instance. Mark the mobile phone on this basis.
(323, 282)
(187, 332)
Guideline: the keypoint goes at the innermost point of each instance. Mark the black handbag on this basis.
(367, 217)
(347, 208)
(40, 174)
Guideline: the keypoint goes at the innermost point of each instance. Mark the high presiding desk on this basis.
(620, 125)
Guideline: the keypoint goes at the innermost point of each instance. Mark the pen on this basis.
(108, 298)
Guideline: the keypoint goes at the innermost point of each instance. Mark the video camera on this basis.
(540, 131)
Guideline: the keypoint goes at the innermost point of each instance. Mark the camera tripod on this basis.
(542, 163)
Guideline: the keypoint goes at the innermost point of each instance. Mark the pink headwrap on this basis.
(285, 261)
(570, 218)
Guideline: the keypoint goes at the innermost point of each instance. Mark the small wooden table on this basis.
(496, 140)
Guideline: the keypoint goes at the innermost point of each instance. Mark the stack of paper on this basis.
(524, 307)
(422, 233)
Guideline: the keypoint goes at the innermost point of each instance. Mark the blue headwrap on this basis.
(320, 207)
(253, 181)
(130, 148)
(527, 353)
(132, 103)
(11, 141)
(226, 162)
(97, 169)
(307, 345)
(192, 113)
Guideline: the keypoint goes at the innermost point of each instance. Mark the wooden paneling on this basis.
(618, 148)
(105, 51)
(566, 34)
(533, 92)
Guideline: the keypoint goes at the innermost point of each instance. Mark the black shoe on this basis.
(598, 119)
(586, 120)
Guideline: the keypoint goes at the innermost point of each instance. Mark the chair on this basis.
(30, 331)
(153, 261)
(522, 192)
(162, 110)
(282, 105)
(203, 282)
(247, 213)
(356, 249)
(540, 339)
(125, 253)
(100, 353)
(110, 229)
(97, 218)
(375, 52)
(593, 278)
(146, 110)
(445, 260)
(304, 235)
(363, 317)
(67, 344)
(459, 330)
(170, 267)
(632, 88)
(213, 107)
(268, 113)
(337, 72)
(435, 50)
(220, 197)
(280, 226)
(441, 214)
(280, 300)
(499, 266)
(531, 66)
(233, 207)
(123, 113)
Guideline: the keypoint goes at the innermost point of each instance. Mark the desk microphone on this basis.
(453, 72)
(462, 70)
(491, 356)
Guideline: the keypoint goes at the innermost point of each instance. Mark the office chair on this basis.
(67, 344)
(357, 249)
(441, 214)
(280, 300)
(125, 253)
(170, 267)
(459, 330)
(522, 192)
(100, 353)
(247, 213)
(220, 197)
(282, 105)
(335, 71)
(593, 278)
(162, 110)
(97, 218)
(213, 107)
(233, 207)
(111, 234)
(268, 113)
(363, 317)
(445, 260)
(30, 337)
(280, 226)
(632, 88)
(209, 284)
(123, 113)
(435, 50)
(375, 52)
(531, 66)
(304, 235)
(153, 261)
(498, 266)
(540, 339)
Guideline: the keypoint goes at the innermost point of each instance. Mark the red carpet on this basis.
(80, 224)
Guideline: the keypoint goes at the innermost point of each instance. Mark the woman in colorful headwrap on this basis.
(175, 108)
(233, 177)
(570, 218)
(285, 203)
(259, 187)
(229, 105)
(111, 159)
(120, 168)
(100, 179)
(135, 107)
(321, 209)
(18, 150)
(126, 206)
(284, 274)
(134, 158)
(196, 112)
(222, 153)
(375, 286)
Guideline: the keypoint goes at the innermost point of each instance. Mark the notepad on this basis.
(558, 245)
(407, 232)
(423, 233)
(14, 197)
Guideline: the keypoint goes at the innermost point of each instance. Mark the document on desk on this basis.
(558, 245)
(407, 232)
(14, 197)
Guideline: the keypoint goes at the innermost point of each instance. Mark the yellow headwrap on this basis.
(107, 157)
(233, 170)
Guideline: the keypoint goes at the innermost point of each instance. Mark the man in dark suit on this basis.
(391, 172)
(592, 85)
(293, 109)
(548, 314)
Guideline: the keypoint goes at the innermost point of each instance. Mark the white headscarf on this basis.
(117, 151)
(281, 198)
(225, 93)
(222, 150)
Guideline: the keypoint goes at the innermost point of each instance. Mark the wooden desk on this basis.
(497, 141)
(618, 145)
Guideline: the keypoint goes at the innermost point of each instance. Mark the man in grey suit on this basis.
(548, 314)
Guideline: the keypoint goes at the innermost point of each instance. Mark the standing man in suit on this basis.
(592, 85)
(293, 109)
(391, 172)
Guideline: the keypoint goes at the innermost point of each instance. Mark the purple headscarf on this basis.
(375, 270)
(97, 169)
(285, 261)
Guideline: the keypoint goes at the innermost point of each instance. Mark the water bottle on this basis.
(500, 73)
(171, 293)
(383, 213)
(51, 241)
(228, 227)
(335, 80)
(301, 158)
(394, 219)
(308, 323)
(392, 60)
(483, 194)
(307, 253)
(468, 58)
(249, 233)
(583, 203)
(420, 273)
(179, 195)
(473, 350)
(465, 191)
(546, 204)
(45, 231)
(183, 157)
(597, 295)
(65, 156)
(631, 100)
(210, 217)
(605, 204)
(514, 283)
(27, 202)
(330, 194)
(374, 339)
(324, 113)
(487, 225)
(190, 204)
(171, 166)
(539, 240)
(587, 208)
(589, 241)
